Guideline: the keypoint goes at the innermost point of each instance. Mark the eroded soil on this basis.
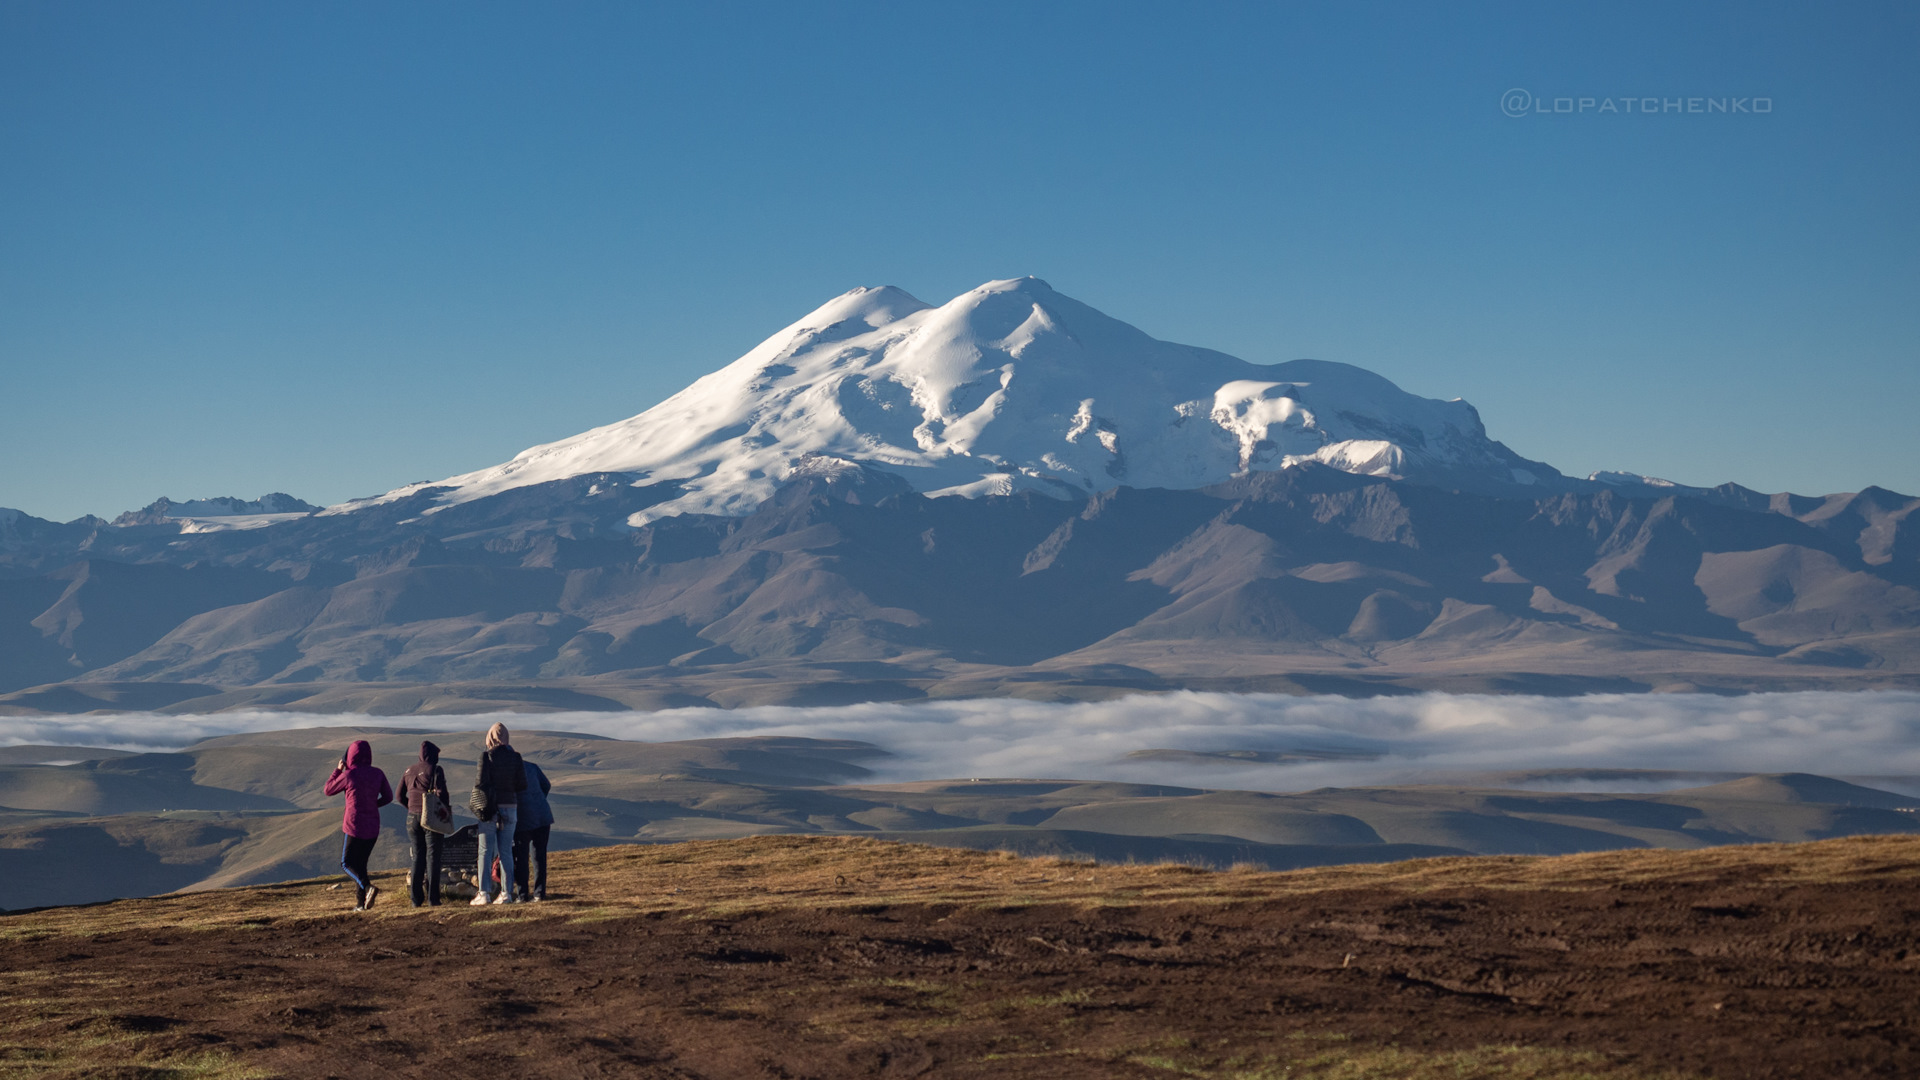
(1775, 961)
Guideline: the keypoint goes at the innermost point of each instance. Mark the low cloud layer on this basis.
(1376, 740)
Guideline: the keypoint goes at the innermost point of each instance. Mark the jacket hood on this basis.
(429, 753)
(360, 753)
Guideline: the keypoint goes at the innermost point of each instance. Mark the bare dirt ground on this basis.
(830, 958)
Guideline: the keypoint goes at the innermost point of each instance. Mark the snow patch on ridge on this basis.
(219, 514)
(1624, 479)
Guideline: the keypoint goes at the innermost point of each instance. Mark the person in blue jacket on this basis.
(530, 834)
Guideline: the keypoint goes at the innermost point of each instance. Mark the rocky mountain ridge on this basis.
(851, 576)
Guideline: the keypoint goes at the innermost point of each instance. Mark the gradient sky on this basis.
(331, 248)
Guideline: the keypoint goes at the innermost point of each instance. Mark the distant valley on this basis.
(81, 825)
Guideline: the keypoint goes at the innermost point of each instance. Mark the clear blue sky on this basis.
(329, 248)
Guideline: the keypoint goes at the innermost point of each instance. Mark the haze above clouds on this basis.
(1386, 740)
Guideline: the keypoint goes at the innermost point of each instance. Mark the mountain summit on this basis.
(1011, 386)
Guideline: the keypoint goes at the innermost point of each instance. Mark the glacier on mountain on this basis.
(1008, 387)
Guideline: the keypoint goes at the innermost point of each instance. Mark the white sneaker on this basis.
(503, 898)
(480, 900)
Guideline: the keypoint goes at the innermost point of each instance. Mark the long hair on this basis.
(496, 736)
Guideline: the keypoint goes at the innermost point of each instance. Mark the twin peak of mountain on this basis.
(1008, 387)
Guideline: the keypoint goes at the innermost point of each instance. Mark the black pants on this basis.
(534, 842)
(426, 862)
(353, 859)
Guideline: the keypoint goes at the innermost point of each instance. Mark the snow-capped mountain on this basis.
(1011, 386)
(1178, 553)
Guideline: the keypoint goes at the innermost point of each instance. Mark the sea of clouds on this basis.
(1427, 737)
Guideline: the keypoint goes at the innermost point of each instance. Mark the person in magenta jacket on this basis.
(367, 790)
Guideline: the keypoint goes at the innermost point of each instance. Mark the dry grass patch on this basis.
(107, 1045)
(1394, 1063)
(712, 878)
(1035, 970)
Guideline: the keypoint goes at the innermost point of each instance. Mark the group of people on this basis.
(509, 797)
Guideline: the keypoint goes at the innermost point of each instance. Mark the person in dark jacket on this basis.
(423, 780)
(502, 778)
(535, 824)
(367, 790)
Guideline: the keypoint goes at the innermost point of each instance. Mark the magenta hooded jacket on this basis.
(366, 789)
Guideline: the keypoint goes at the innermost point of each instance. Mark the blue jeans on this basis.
(496, 841)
